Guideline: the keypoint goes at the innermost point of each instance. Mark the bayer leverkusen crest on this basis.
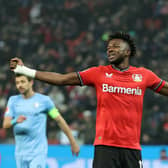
(137, 77)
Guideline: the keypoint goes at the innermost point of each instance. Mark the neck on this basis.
(28, 94)
(122, 66)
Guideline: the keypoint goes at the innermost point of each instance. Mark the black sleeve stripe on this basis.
(81, 82)
(158, 85)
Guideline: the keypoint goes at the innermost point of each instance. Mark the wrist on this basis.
(14, 121)
(72, 142)
(25, 71)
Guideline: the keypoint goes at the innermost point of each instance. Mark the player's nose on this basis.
(19, 86)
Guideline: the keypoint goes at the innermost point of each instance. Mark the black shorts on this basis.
(116, 157)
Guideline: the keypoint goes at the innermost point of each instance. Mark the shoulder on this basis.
(15, 97)
(104, 67)
(101, 68)
(144, 72)
(140, 69)
(96, 67)
(42, 97)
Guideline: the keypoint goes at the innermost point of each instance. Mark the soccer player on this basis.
(120, 89)
(27, 113)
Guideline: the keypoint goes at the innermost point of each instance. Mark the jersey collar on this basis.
(121, 70)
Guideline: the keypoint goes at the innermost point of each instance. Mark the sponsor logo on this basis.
(137, 77)
(108, 75)
(121, 90)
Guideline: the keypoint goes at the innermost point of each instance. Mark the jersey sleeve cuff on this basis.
(159, 86)
(79, 76)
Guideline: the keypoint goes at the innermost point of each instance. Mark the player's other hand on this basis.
(14, 62)
(75, 149)
(20, 119)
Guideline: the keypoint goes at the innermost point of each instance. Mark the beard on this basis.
(117, 61)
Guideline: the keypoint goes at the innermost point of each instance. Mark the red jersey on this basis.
(119, 102)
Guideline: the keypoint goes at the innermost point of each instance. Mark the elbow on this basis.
(5, 125)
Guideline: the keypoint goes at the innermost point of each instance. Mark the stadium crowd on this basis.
(70, 35)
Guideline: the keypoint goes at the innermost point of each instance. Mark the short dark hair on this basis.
(125, 37)
(28, 78)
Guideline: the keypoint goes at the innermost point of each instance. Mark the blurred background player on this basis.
(27, 113)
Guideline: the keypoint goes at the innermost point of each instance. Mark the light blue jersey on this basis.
(30, 135)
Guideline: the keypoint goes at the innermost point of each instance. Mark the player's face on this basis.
(23, 84)
(117, 51)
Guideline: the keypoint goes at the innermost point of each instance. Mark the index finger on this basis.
(17, 60)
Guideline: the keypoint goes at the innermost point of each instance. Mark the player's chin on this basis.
(112, 61)
(21, 91)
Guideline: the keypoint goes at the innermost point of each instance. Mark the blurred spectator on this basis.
(87, 127)
(163, 155)
(75, 132)
(70, 35)
(163, 129)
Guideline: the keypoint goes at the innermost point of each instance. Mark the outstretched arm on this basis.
(164, 90)
(57, 78)
(17, 66)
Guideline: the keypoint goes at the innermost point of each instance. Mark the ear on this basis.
(32, 82)
(127, 52)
